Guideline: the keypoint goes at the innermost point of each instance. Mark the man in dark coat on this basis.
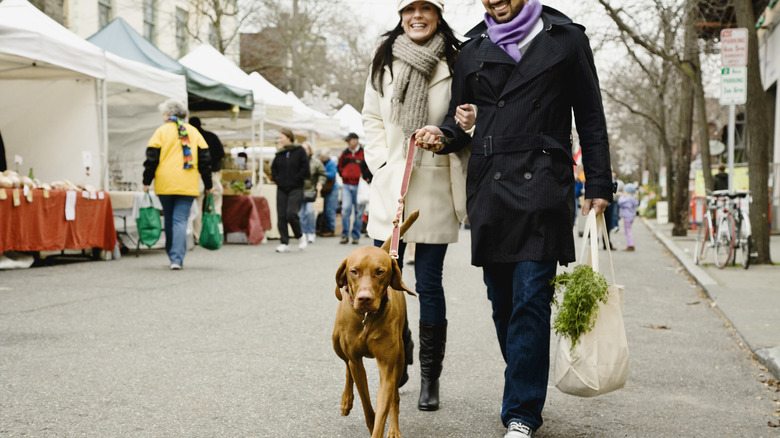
(217, 152)
(526, 67)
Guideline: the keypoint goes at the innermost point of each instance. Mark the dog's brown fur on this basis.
(368, 325)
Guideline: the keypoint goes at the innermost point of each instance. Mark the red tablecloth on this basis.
(41, 226)
(246, 214)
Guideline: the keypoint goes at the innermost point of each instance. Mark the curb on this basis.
(769, 357)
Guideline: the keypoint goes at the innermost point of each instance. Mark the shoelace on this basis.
(519, 427)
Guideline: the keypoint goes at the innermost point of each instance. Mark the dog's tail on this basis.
(404, 226)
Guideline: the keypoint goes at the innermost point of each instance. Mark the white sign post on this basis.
(733, 82)
(733, 47)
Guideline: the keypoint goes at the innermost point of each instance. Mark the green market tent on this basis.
(204, 93)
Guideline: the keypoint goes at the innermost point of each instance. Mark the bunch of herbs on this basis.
(583, 290)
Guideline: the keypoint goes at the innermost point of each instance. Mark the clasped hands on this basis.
(430, 137)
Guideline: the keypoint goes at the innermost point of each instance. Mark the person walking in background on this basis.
(176, 154)
(628, 204)
(352, 167)
(408, 87)
(330, 195)
(311, 186)
(721, 178)
(527, 68)
(217, 153)
(289, 169)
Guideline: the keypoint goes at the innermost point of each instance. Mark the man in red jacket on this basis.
(352, 167)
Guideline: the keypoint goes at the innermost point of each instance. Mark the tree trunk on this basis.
(683, 161)
(758, 132)
(703, 128)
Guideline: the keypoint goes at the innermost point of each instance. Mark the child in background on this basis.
(628, 204)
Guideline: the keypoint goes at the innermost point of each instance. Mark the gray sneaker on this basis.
(517, 429)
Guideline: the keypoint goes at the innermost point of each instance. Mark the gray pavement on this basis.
(238, 345)
(749, 299)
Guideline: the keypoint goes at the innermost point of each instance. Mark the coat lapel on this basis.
(543, 53)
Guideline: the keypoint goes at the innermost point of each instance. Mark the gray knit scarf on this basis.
(409, 101)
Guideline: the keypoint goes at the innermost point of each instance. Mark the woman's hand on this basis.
(465, 116)
(428, 138)
(146, 188)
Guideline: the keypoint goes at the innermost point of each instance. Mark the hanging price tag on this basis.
(16, 195)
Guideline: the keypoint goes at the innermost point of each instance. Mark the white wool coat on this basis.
(437, 188)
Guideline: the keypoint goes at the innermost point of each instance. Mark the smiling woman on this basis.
(409, 87)
(420, 20)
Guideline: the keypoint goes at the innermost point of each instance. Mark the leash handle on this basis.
(404, 187)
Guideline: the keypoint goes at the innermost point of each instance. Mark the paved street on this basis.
(238, 345)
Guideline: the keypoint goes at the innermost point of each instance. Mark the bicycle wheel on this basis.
(724, 241)
(746, 247)
(702, 242)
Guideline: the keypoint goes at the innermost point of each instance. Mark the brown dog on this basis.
(369, 323)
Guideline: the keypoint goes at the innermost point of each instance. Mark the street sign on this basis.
(733, 47)
(733, 86)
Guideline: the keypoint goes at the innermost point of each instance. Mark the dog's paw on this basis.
(346, 404)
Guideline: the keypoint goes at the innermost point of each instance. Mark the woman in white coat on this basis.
(409, 87)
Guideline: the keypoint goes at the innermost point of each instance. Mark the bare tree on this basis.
(759, 136)
(299, 47)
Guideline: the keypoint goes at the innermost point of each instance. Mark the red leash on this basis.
(404, 187)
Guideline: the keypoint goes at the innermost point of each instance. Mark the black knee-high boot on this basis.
(433, 337)
(408, 352)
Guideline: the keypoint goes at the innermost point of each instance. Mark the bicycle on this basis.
(715, 232)
(740, 231)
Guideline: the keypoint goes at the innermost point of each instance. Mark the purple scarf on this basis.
(507, 35)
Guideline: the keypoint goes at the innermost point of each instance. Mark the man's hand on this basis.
(598, 204)
(428, 138)
(465, 116)
(146, 188)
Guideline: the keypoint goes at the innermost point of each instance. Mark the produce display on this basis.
(10, 179)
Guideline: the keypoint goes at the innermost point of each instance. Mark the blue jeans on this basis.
(348, 200)
(176, 211)
(329, 208)
(306, 214)
(428, 268)
(521, 294)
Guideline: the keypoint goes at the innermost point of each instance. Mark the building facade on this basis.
(175, 26)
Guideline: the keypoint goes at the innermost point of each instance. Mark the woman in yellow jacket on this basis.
(176, 155)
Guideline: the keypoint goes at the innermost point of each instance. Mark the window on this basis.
(104, 12)
(150, 20)
(182, 18)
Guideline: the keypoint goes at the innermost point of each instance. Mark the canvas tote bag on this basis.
(598, 364)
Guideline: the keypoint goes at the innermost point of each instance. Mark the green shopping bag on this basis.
(148, 223)
(211, 235)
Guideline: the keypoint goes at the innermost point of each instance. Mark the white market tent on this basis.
(273, 108)
(351, 120)
(53, 98)
(67, 103)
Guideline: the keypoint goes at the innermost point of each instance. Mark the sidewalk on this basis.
(749, 299)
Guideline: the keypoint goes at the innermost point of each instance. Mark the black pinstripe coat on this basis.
(520, 185)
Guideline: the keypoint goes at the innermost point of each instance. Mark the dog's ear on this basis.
(396, 282)
(341, 278)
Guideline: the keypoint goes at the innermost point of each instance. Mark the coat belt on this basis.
(490, 145)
